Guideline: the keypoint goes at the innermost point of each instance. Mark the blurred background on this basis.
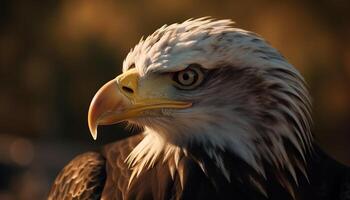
(54, 55)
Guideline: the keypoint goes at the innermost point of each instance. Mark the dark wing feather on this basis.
(116, 186)
(83, 178)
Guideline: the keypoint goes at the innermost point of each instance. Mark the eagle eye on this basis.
(189, 78)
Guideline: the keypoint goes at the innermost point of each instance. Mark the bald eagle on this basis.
(224, 116)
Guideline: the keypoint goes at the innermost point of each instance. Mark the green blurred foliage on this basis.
(54, 55)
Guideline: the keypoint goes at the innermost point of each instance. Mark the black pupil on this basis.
(186, 76)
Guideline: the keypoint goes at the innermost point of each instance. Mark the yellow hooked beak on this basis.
(122, 98)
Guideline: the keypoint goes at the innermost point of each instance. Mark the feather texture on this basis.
(82, 179)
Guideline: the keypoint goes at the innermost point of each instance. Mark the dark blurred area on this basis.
(54, 55)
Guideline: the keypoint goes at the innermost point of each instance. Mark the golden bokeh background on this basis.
(54, 55)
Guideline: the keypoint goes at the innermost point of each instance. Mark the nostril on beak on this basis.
(127, 90)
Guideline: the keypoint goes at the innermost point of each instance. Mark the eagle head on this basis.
(203, 82)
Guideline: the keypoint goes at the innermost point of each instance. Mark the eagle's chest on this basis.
(187, 182)
(157, 182)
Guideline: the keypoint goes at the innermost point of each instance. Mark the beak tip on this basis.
(94, 133)
(93, 130)
(103, 101)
